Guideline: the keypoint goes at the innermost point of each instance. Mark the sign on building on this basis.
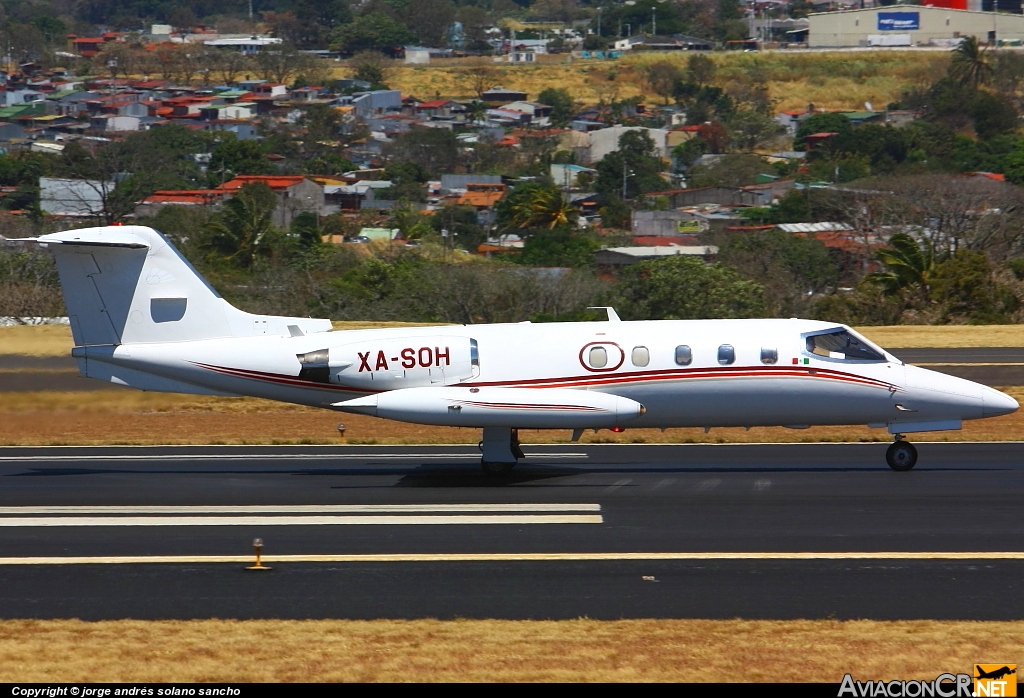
(899, 21)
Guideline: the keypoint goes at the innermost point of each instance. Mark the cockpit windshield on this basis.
(841, 344)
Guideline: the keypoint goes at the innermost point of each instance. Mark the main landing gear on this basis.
(902, 455)
(500, 447)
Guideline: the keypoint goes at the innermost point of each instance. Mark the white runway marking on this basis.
(297, 508)
(385, 520)
(505, 557)
(762, 485)
(273, 457)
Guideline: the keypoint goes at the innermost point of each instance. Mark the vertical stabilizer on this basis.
(129, 284)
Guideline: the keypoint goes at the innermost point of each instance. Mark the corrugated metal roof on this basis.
(814, 227)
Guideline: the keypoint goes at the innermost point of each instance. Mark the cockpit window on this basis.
(840, 344)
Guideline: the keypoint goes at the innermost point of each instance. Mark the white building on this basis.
(911, 25)
(606, 140)
(248, 45)
(73, 197)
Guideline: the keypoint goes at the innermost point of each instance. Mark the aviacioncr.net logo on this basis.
(942, 686)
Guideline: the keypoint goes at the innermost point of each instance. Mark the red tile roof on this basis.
(272, 181)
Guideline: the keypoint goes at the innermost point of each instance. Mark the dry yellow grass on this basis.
(55, 340)
(494, 650)
(132, 417)
(913, 336)
(828, 80)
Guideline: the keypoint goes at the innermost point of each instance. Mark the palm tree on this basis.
(969, 64)
(243, 229)
(908, 265)
(544, 208)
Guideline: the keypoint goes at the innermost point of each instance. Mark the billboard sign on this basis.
(899, 21)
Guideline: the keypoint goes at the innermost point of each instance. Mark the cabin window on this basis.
(841, 344)
(598, 357)
(726, 354)
(683, 355)
(769, 356)
(641, 356)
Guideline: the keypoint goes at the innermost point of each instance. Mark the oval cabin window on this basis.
(641, 356)
(598, 357)
(726, 354)
(683, 355)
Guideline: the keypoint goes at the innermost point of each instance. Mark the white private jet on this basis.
(143, 317)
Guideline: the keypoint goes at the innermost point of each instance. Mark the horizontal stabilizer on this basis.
(521, 408)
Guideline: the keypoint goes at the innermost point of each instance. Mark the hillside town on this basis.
(291, 147)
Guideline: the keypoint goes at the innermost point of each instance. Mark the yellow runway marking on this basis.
(506, 557)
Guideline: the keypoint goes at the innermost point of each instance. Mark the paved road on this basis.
(602, 531)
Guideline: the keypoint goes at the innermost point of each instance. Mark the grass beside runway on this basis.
(493, 650)
(129, 417)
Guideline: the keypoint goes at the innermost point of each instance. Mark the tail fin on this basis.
(128, 284)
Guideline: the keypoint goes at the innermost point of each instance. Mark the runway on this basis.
(606, 531)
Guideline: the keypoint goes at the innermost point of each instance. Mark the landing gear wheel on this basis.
(901, 456)
(492, 468)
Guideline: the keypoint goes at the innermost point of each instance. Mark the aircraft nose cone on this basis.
(995, 403)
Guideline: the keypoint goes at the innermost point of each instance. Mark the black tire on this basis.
(901, 456)
(491, 468)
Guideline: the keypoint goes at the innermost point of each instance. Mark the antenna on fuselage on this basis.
(612, 315)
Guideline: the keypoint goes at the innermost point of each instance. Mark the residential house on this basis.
(665, 223)
(454, 183)
(502, 96)
(482, 197)
(439, 108)
(721, 196)
(606, 140)
(567, 175)
(194, 197)
(622, 256)
(108, 123)
(295, 194)
(271, 90)
(376, 102)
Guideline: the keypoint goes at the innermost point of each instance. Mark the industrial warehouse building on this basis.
(909, 25)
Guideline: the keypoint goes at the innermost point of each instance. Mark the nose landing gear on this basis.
(901, 456)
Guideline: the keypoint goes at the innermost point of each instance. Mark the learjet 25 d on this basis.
(141, 316)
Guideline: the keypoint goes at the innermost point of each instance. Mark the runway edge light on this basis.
(257, 546)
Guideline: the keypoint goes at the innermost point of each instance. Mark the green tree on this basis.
(435, 150)
(242, 231)
(909, 266)
(828, 122)
(233, 157)
(558, 248)
(662, 77)
(969, 64)
(700, 69)
(685, 288)
(373, 30)
(963, 287)
(305, 229)
(636, 161)
(321, 122)
(371, 67)
(561, 103)
(533, 205)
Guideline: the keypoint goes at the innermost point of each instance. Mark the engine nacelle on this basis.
(521, 408)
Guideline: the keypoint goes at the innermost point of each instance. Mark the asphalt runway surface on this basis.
(604, 531)
(995, 366)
